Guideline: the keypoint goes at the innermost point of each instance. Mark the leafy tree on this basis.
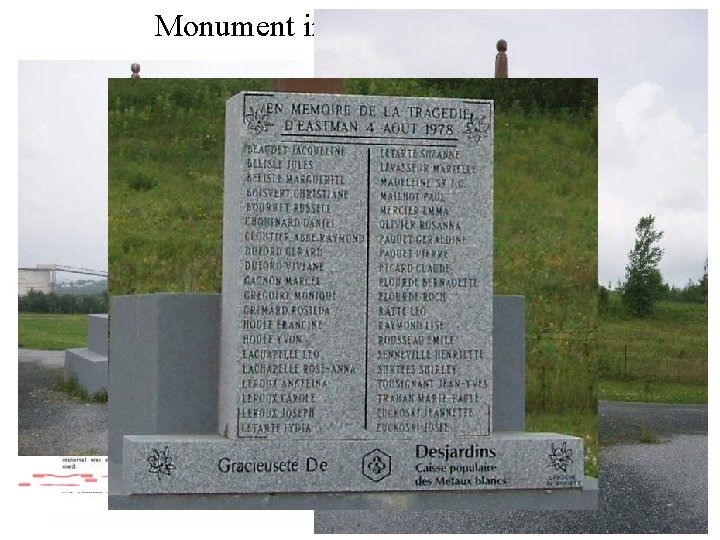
(642, 277)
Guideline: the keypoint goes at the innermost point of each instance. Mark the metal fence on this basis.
(631, 365)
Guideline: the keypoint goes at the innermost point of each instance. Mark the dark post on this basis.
(625, 359)
(501, 63)
(135, 68)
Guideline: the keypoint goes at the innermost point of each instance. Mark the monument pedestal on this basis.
(157, 463)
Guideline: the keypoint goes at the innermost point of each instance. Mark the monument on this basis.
(356, 336)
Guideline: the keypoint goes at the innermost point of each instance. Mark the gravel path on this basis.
(643, 488)
(50, 423)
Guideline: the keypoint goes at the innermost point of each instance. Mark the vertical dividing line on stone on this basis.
(367, 286)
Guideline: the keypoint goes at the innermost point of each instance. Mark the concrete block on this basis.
(98, 334)
(163, 365)
(509, 363)
(88, 367)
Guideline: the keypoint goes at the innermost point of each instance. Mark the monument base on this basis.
(214, 464)
(487, 501)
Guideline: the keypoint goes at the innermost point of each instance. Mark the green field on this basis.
(661, 358)
(166, 147)
(51, 332)
(545, 249)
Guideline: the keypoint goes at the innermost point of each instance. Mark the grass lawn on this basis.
(670, 346)
(51, 332)
(583, 425)
(652, 392)
(662, 358)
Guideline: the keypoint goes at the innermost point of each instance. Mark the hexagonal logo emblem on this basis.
(376, 465)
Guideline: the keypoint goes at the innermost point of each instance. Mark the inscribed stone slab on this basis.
(357, 267)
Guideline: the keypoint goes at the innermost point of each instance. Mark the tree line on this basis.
(692, 292)
(39, 302)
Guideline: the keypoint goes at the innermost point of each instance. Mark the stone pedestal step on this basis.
(213, 464)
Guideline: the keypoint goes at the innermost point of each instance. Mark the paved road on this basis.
(623, 422)
(643, 488)
(49, 422)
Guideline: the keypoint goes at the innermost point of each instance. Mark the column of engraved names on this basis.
(424, 378)
(293, 202)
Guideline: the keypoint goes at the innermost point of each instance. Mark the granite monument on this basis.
(356, 333)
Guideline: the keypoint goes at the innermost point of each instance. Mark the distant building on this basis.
(35, 279)
(43, 278)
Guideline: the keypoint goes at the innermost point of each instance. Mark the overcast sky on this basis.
(653, 115)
